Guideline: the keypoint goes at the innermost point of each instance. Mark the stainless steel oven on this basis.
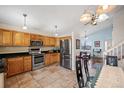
(37, 61)
(37, 57)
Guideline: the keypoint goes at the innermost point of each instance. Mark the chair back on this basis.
(79, 73)
(112, 60)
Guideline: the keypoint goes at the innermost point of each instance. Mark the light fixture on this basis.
(56, 33)
(86, 17)
(24, 26)
(100, 15)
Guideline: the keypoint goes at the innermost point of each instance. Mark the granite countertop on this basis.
(10, 55)
(11, 52)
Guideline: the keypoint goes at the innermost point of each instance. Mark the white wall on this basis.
(74, 50)
(118, 28)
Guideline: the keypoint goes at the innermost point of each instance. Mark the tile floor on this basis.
(52, 76)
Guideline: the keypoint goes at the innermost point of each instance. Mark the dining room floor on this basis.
(52, 76)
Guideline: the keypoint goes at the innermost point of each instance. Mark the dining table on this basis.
(110, 77)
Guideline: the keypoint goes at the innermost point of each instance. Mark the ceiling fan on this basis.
(100, 15)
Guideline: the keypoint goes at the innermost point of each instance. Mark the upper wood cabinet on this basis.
(26, 41)
(57, 44)
(1, 37)
(18, 38)
(46, 41)
(13, 38)
(52, 41)
(35, 37)
(5, 38)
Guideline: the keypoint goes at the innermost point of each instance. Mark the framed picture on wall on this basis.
(97, 43)
(77, 44)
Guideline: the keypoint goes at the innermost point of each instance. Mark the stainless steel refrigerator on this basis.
(66, 53)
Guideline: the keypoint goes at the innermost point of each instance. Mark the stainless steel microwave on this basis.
(36, 43)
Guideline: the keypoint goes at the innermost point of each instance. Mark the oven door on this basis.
(38, 60)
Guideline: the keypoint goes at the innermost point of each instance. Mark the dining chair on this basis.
(80, 78)
(89, 79)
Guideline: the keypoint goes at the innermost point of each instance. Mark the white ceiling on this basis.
(42, 19)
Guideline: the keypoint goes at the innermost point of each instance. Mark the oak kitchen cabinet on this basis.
(35, 37)
(14, 38)
(27, 63)
(26, 41)
(51, 58)
(18, 65)
(58, 57)
(52, 41)
(46, 41)
(14, 66)
(57, 44)
(5, 38)
(18, 38)
(47, 59)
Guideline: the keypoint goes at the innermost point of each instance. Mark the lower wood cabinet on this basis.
(51, 58)
(27, 63)
(47, 59)
(14, 66)
(18, 65)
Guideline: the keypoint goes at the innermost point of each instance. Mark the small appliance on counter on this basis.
(2, 63)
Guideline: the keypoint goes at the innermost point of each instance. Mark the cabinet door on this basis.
(42, 39)
(53, 58)
(35, 37)
(26, 39)
(14, 66)
(58, 57)
(46, 41)
(52, 41)
(1, 37)
(18, 38)
(47, 59)
(27, 63)
(57, 43)
(7, 38)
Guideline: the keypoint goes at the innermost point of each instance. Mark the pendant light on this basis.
(56, 34)
(24, 26)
